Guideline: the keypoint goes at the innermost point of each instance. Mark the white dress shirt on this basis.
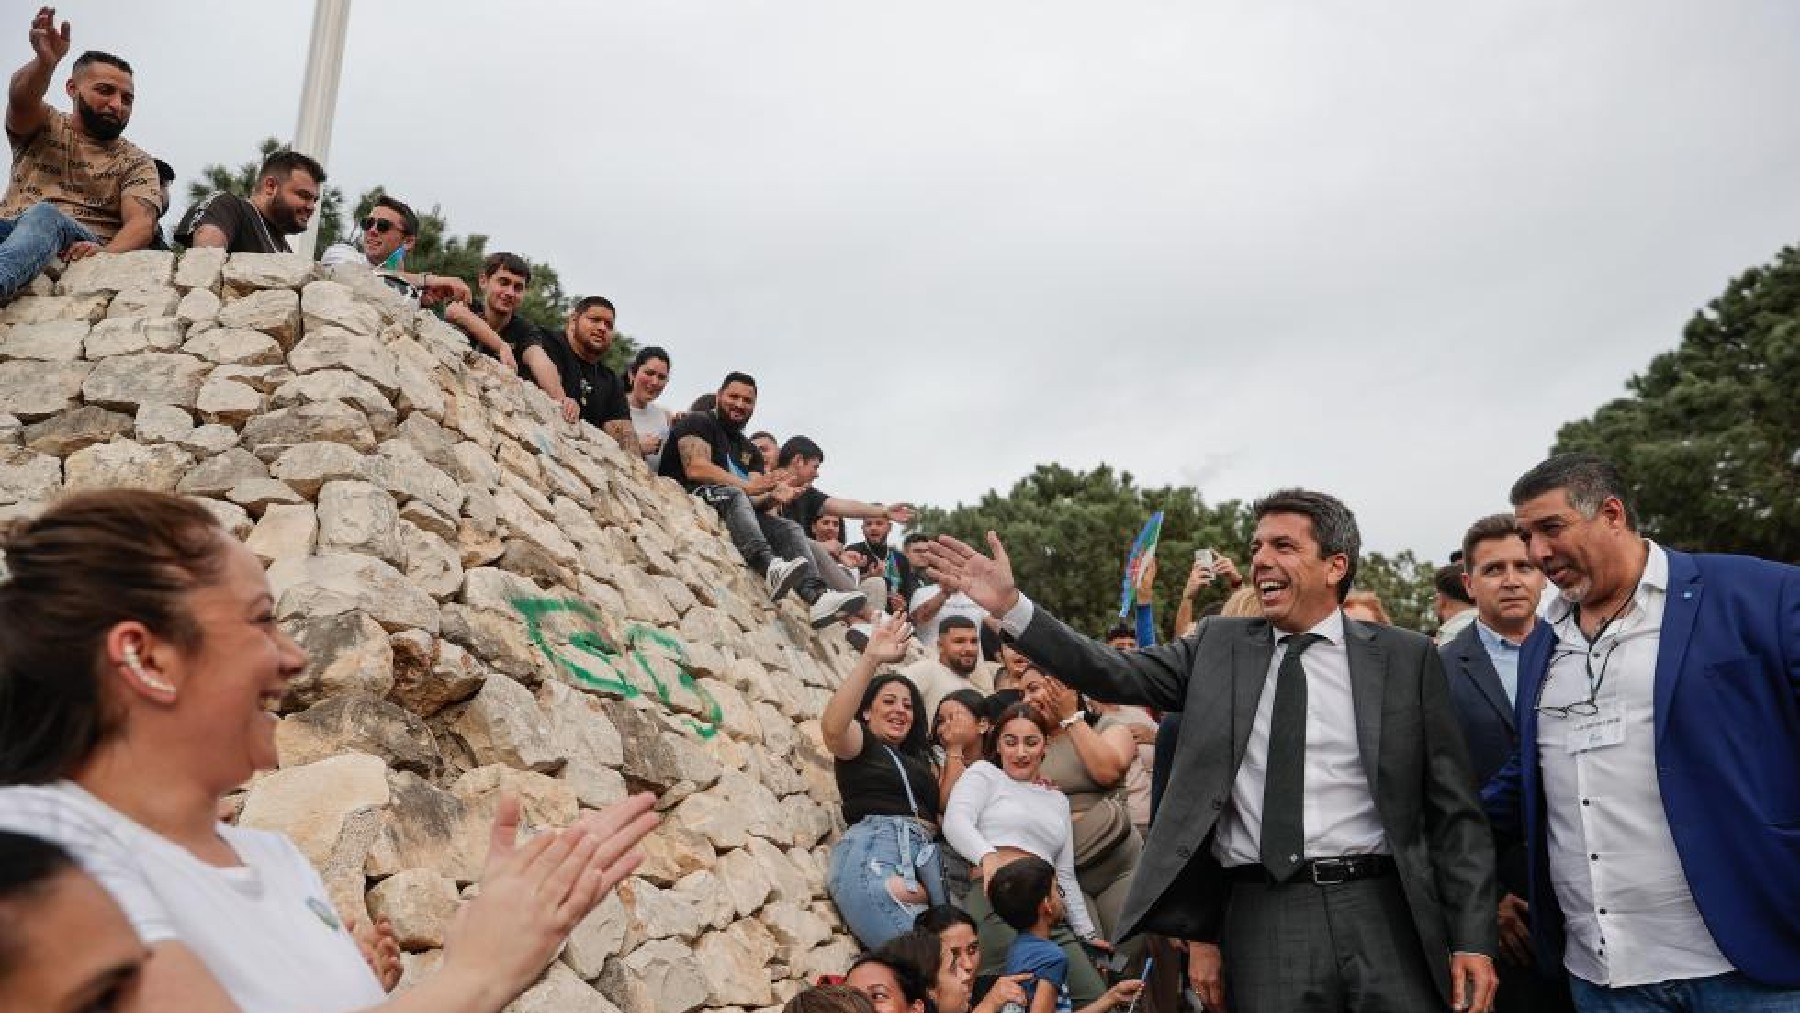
(1629, 914)
(1338, 813)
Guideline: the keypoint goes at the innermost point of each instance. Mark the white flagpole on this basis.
(318, 96)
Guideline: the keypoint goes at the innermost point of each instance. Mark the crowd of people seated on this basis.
(996, 816)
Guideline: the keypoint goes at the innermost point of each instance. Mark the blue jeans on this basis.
(872, 854)
(32, 240)
(1716, 994)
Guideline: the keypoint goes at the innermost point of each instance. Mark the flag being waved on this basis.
(1142, 551)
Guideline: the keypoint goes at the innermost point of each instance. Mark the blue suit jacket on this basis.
(1727, 718)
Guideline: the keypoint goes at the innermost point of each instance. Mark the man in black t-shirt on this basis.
(714, 461)
(801, 459)
(568, 367)
(493, 323)
(894, 564)
(287, 193)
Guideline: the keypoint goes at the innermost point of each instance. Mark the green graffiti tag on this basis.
(591, 642)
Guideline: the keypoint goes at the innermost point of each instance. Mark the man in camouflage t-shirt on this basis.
(76, 185)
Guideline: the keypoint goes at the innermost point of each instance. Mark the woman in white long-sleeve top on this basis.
(997, 813)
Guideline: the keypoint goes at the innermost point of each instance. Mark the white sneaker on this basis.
(834, 605)
(783, 576)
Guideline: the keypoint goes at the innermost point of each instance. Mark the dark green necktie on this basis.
(1284, 773)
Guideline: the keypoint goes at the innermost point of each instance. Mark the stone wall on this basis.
(492, 600)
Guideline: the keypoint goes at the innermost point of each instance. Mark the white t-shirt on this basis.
(266, 929)
(957, 604)
(652, 420)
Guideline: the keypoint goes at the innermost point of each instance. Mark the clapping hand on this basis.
(986, 580)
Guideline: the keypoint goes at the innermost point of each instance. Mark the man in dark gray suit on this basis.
(1482, 664)
(1321, 823)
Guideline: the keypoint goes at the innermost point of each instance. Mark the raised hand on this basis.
(986, 580)
(1144, 591)
(1224, 567)
(47, 41)
(888, 639)
(900, 513)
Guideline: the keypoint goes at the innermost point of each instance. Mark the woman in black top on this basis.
(884, 870)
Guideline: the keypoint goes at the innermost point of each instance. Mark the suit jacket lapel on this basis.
(1368, 669)
(1250, 659)
(1479, 668)
(1680, 605)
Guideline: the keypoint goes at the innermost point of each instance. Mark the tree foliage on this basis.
(1068, 533)
(1709, 436)
(1403, 583)
(242, 181)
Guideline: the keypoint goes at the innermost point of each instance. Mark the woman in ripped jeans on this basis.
(884, 870)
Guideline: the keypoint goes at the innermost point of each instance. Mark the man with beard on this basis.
(715, 462)
(493, 323)
(287, 193)
(1324, 830)
(568, 368)
(875, 545)
(1657, 780)
(76, 186)
(958, 665)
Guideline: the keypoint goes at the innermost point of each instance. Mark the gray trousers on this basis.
(830, 570)
(1301, 948)
(762, 536)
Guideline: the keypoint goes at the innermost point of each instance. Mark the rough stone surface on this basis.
(491, 602)
(121, 272)
(49, 341)
(275, 312)
(132, 335)
(311, 804)
(234, 346)
(285, 531)
(126, 464)
(62, 435)
(419, 903)
(124, 382)
(502, 724)
(31, 390)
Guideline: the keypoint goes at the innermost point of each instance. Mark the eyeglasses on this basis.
(381, 226)
(1584, 708)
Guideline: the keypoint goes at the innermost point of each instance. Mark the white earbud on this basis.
(138, 671)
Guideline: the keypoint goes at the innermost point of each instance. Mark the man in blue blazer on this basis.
(1657, 780)
(1481, 664)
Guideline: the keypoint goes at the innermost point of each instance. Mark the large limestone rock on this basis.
(31, 390)
(126, 464)
(360, 724)
(49, 341)
(62, 435)
(274, 312)
(419, 903)
(311, 804)
(355, 516)
(122, 272)
(248, 272)
(502, 724)
(328, 585)
(127, 381)
(132, 335)
(661, 976)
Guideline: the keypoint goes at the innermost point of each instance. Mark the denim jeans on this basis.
(1716, 994)
(761, 536)
(32, 240)
(875, 850)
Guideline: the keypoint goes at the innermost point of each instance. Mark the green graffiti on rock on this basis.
(591, 645)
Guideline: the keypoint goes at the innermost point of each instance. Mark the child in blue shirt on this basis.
(1025, 895)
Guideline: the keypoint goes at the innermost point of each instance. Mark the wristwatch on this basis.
(1071, 719)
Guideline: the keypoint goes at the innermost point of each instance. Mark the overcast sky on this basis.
(1380, 249)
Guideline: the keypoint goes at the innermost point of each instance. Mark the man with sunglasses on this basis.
(388, 233)
(1657, 780)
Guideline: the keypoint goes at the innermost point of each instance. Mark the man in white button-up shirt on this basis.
(1658, 772)
(1321, 826)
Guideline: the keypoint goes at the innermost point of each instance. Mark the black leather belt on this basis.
(1319, 871)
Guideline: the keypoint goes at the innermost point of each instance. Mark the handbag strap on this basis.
(905, 782)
